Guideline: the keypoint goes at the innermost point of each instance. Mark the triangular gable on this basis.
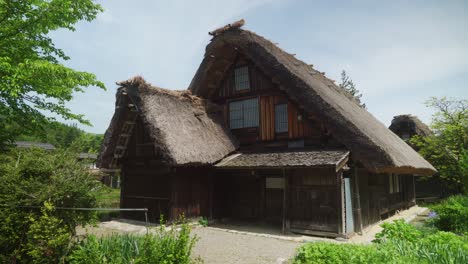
(370, 142)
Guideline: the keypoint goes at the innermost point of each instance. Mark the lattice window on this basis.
(241, 77)
(243, 114)
(281, 118)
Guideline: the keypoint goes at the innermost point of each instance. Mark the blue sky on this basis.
(399, 54)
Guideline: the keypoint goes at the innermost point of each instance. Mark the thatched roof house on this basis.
(258, 134)
(369, 140)
(406, 126)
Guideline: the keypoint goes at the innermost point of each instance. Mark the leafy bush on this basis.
(47, 239)
(452, 214)
(164, 246)
(203, 221)
(322, 252)
(31, 179)
(399, 242)
(400, 230)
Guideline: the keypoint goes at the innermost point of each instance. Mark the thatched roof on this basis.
(370, 142)
(286, 159)
(185, 129)
(27, 144)
(409, 124)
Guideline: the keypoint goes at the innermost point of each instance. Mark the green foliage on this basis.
(324, 253)
(399, 242)
(47, 238)
(447, 149)
(452, 214)
(400, 230)
(203, 221)
(32, 78)
(173, 245)
(348, 85)
(32, 178)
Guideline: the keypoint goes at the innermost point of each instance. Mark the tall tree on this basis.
(447, 149)
(32, 79)
(348, 85)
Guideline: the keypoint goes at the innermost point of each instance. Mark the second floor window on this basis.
(281, 118)
(241, 77)
(243, 114)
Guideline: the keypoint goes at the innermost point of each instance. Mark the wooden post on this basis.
(340, 202)
(286, 224)
(211, 192)
(413, 200)
(358, 200)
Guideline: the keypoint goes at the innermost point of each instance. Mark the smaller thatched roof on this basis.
(185, 129)
(85, 155)
(286, 159)
(27, 144)
(409, 124)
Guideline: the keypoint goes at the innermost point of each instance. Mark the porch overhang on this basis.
(286, 159)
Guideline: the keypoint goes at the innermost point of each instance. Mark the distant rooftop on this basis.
(26, 144)
(84, 155)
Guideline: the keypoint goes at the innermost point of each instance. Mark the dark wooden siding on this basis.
(376, 201)
(315, 203)
(145, 187)
(191, 189)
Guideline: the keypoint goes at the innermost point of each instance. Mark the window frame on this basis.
(256, 125)
(285, 105)
(248, 80)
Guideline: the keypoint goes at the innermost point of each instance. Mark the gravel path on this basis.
(216, 246)
(226, 245)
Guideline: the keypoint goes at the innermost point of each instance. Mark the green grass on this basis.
(108, 198)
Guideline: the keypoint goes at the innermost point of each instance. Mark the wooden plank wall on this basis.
(190, 192)
(145, 187)
(314, 203)
(296, 128)
(376, 201)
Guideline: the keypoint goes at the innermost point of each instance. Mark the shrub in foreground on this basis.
(452, 214)
(33, 183)
(399, 242)
(164, 246)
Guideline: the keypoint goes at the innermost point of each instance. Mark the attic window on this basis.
(243, 114)
(241, 77)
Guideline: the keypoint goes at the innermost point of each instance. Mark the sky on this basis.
(398, 53)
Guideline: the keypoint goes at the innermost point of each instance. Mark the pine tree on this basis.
(348, 85)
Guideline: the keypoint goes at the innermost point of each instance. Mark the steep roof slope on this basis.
(370, 142)
(185, 129)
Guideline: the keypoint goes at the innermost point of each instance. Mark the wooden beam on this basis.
(286, 223)
(339, 204)
(358, 200)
